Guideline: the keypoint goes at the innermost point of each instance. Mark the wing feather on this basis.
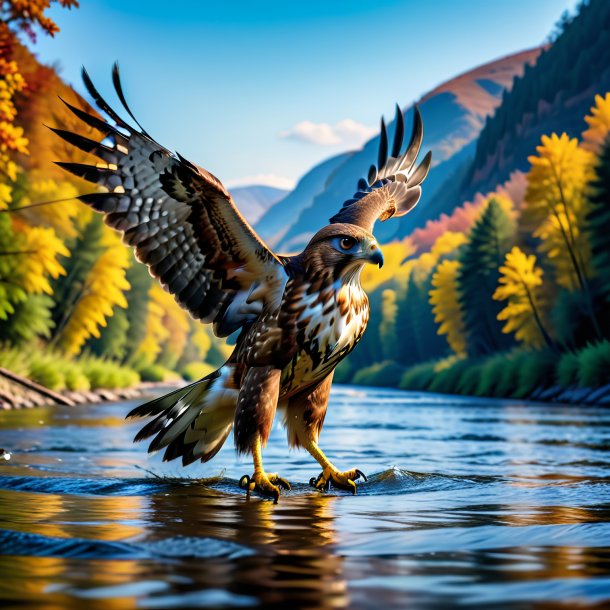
(393, 185)
(179, 218)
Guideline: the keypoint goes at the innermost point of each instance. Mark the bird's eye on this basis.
(347, 243)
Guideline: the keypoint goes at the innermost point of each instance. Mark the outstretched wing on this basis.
(179, 218)
(392, 187)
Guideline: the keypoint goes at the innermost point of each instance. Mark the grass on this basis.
(57, 372)
(513, 374)
(385, 373)
(193, 371)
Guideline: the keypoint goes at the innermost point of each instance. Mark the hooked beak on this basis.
(376, 257)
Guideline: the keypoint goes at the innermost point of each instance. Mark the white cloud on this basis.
(346, 132)
(280, 182)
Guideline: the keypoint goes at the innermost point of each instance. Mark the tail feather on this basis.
(192, 422)
(161, 403)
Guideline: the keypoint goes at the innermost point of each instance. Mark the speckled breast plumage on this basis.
(329, 329)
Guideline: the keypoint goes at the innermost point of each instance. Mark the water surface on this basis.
(470, 503)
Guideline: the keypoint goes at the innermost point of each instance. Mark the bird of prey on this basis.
(296, 316)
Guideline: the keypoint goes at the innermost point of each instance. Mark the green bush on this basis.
(594, 367)
(14, 360)
(107, 374)
(194, 371)
(74, 377)
(535, 369)
(509, 375)
(490, 375)
(418, 377)
(158, 373)
(446, 380)
(469, 380)
(566, 371)
(385, 373)
(46, 370)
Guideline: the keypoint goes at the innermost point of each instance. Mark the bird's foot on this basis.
(340, 480)
(268, 484)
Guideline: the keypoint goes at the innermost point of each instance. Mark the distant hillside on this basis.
(280, 217)
(253, 201)
(551, 96)
(453, 113)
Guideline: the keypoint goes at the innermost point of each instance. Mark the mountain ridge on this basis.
(454, 113)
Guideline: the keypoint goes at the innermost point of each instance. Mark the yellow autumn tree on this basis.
(556, 206)
(167, 328)
(42, 249)
(520, 284)
(444, 298)
(599, 124)
(102, 291)
(12, 140)
(156, 332)
(51, 203)
(29, 254)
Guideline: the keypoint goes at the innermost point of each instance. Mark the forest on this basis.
(509, 295)
(506, 296)
(76, 310)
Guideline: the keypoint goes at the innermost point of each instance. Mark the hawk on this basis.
(296, 316)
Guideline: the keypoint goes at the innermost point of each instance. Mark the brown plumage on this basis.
(297, 316)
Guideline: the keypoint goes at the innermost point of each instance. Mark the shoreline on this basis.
(18, 392)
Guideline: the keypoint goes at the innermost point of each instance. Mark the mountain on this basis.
(253, 201)
(280, 217)
(551, 96)
(454, 114)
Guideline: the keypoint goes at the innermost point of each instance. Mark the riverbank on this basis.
(17, 392)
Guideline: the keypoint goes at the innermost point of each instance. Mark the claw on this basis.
(360, 474)
(267, 484)
(280, 481)
(340, 480)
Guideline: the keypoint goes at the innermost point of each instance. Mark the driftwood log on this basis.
(35, 387)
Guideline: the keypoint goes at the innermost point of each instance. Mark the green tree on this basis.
(112, 342)
(598, 222)
(390, 339)
(140, 281)
(480, 259)
(85, 250)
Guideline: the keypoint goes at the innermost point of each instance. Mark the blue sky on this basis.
(262, 91)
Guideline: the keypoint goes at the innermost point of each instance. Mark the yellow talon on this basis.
(267, 484)
(340, 480)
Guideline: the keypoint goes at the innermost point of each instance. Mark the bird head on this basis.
(343, 248)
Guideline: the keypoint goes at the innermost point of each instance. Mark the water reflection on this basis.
(282, 555)
(503, 505)
(294, 563)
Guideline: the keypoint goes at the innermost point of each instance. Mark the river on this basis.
(470, 503)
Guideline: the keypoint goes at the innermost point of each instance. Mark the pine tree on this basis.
(84, 251)
(480, 258)
(598, 221)
(140, 281)
(112, 342)
(387, 328)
